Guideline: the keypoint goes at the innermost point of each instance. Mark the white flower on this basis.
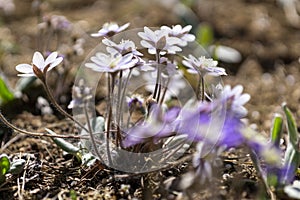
(110, 29)
(112, 63)
(236, 99)
(203, 66)
(39, 66)
(181, 33)
(160, 41)
(124, 47)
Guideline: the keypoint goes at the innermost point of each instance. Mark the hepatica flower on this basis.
(159, 41)
(124, 47)
(235, 100)
(181, 33)
(110, 29)
(203, 66)
(39, 66)
(111, 63)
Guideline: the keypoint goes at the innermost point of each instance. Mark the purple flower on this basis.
(209, 121)
(158, 125)
(203, 66)
(39, 66)
(181, 33)
(110, 29)
(159, 41)
(112, 63)
(124, 47)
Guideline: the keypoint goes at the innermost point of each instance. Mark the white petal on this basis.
(244, 99)
(123, 27)
(38, 60)
(237, 90)
(177, 29)
(27, 75)
(150, 34)
(146, 44)
(97, 34)
(187, 64)
(55, 63)
(127, 58)
(51, 58)
(24, 68)
(187, 28)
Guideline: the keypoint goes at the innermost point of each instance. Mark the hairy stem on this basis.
(59, 108)
(110, 84)
(90, 131)
(37, 134)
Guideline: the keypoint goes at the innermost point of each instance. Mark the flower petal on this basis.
(38, 60)
(24, 68)
(51, 58)
(55, 63)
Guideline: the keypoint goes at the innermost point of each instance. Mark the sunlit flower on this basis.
(181, 33)
(203, 66)
(124, 47)
(235, 100)
(159, 41)
(109, 29)
(112, 63)
(39, 66)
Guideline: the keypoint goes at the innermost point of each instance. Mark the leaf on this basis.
(5, 94)
(292, 155)
(291, 162)
(97, 125)
(63, 144)
(276, 130)
(292, 127)
(4, 164)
